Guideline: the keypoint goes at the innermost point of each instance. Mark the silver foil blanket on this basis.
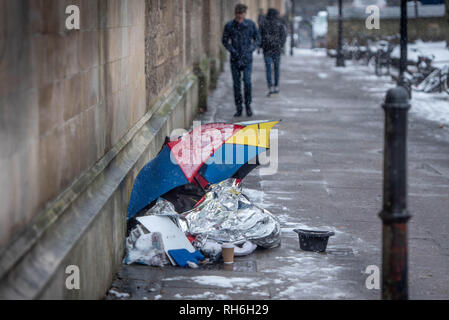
(227, 215)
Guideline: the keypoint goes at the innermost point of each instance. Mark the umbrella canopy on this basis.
(207, 155)
(236, 155)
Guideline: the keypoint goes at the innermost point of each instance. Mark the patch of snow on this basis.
(290, 230)
(309, 52)
(257, 197)
(434, 107)
(222, 297)
(204, 295)
(221, 282)
(292, 81)
(119, 295)
(259, 293)
(438, 49)
(322, 75)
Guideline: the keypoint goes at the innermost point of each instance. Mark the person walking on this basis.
(241, 38)
(274, 36)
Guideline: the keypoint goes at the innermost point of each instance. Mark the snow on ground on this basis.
(222, 282)
(233, 285)
(318, 52)
(430, 106)
(438, 49)
(433, 107)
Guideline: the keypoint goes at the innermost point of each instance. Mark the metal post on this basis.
(394, 214)
(404, 41)
(340, 56)
(292, 26)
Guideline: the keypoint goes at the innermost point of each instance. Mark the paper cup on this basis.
(227, 251)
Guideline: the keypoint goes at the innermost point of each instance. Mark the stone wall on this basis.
(81, 112)
(255, 5)
(66, 96)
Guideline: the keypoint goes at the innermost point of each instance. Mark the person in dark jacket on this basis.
(260, 17)
(241, 37)
(274, 35)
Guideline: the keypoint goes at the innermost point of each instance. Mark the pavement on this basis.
(330, 158)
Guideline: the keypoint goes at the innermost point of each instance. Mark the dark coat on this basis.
(241, 40)
(274, 35)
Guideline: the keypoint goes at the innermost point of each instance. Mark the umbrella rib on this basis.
(196, 180)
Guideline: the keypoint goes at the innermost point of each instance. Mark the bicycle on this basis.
(436, 81)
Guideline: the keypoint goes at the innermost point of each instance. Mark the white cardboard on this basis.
(172, 237)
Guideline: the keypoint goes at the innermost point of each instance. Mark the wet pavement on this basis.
(329, 177)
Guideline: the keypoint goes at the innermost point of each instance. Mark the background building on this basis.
(429, 22)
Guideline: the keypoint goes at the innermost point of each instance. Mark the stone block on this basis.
(100, 127)
(88, 49)
(50, 167)
(112, 76)
(70, 152)
(43, 60)
(113, 13)
(89, 15)
(66, 54)
(14, 64)
(90, 88)
(71, 96)
(88, 150)
(51, 106)
(19, 122)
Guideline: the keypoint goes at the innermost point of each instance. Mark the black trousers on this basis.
(237, 72)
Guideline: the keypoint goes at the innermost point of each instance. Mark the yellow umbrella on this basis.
(255, 134)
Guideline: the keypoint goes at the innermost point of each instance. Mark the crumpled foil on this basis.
(166, 208)
(227, 215)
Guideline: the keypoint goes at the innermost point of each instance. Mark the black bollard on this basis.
(292, 40)
(404, 42)
(394, 214)
(403, 62)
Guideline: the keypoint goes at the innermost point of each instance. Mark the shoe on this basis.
(270, 92)
(249, 112)
(276, 90)
(238, 114)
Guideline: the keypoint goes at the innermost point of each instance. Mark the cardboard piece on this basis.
(172, 237)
